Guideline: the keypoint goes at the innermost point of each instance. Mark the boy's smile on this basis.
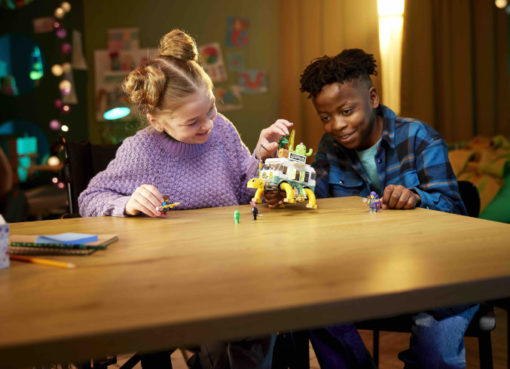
(347, 111)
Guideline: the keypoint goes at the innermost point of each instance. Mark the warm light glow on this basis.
(501, 3)
(61, 185)
(66, 6)
(59, 13)
(57, 70)
(65, 87)
(53, 161)
(64, 128)
(391, 24)
(54, 180)
(392, 8)
(66, 67)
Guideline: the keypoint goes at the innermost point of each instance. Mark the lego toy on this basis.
(288, 172)
(373, 201)
(237, 216)
(166, 205)
(254, 210)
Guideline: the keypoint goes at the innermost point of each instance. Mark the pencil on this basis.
(28, 259)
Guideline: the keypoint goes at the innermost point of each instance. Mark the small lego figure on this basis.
(237, 216)
(166, 205)
(254, 210)
(373, 201)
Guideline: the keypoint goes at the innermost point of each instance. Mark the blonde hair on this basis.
(162, 82)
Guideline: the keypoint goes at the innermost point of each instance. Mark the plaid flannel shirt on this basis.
(410, 153)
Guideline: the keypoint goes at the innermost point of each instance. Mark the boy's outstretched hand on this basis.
(269, 138)
(399, 197)
(146, 199)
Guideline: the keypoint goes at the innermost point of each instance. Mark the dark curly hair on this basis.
(350, 64)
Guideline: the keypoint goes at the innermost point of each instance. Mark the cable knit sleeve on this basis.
(246, 164)
(109, 191)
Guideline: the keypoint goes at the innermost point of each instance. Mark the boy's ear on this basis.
(154, 122)
(374, 97)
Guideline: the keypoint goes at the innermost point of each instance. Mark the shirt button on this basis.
(379, 161)
(341, 182)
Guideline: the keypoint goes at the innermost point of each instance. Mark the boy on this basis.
(367, 148)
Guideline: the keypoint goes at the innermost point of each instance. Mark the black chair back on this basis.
(471, 197)
(83, 160)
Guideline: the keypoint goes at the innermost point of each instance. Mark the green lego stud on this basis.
(237, 216)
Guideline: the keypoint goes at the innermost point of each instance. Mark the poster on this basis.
(228, 98)
(253, 81)
(235, 61)
(123, 39)
(237, 32)
(212, 61)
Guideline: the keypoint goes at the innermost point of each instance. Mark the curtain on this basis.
(313, 28)
(455, 67)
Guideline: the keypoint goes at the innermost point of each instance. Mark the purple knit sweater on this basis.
(197, 175)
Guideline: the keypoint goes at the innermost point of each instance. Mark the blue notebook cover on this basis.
(67, 238)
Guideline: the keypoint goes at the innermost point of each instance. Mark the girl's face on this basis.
(192, 122)
(347, 111)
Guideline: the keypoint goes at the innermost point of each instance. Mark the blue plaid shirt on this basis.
(410, 154)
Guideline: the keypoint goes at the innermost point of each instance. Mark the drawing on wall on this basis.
(237, 31)
(123, 39)
(212, 61)
(253, 81)
(228, 98)
(235, 61)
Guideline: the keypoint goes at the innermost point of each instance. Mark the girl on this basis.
(188, 152)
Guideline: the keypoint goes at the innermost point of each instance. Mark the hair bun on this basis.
(144, 87)
(179, 45)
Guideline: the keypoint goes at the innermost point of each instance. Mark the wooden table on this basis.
(195, 276)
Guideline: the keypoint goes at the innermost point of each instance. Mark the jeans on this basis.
(437, 339)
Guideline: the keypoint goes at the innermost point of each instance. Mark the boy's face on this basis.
(347, 111)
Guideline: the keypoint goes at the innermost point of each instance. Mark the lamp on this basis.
(391, 22)
(115, 106)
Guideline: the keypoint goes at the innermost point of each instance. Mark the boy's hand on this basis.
(274, 198)
(146, 199)
(399, 197)
(269, 138)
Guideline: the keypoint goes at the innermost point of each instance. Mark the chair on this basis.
(82, 161)
(483, 322)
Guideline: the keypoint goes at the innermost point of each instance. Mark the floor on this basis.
(392, 343)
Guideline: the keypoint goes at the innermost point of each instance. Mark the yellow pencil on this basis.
(28, 259)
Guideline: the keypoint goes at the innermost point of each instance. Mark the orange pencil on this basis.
(28, 259)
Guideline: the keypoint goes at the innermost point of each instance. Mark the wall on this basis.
(207, 22)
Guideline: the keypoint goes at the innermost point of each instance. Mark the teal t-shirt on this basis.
(367, 158)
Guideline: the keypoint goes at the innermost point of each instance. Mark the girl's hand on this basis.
(399, 197)
(269, 138)
(146, 199)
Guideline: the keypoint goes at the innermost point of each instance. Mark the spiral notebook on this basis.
(27, 245)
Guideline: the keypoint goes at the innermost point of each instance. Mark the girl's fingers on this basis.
(145, 207)
(150, 197)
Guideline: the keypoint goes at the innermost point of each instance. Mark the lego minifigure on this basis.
(254, 210)
(166, 205)
(373, 201)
